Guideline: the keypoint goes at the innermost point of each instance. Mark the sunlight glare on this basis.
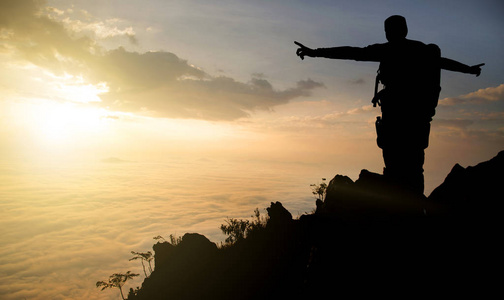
(59, 124)
(75, 89)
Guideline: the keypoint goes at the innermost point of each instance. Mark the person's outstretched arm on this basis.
(452, 65)
(345, 52)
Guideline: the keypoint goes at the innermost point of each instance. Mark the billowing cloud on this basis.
(100, 29)
(164, 85)
(215, 98)
(157, 83)
(32, 36)
(478, 114)
(490, 94)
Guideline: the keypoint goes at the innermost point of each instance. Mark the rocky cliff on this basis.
(367, 238)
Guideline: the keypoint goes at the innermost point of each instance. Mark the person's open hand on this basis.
(303, 51)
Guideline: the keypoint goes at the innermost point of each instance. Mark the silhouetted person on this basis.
(410, 73)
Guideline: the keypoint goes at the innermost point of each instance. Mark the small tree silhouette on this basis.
(159, 238)
(133, 292)
(237, 230)
(257, 224)
(319, 190)
(174, 240)
(116, 280)
(143, 256)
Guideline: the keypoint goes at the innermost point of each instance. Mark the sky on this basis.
(207, 84)
(92, 79)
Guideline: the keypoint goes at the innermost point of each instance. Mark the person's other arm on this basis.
(452, 65)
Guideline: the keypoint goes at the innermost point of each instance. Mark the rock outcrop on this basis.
(474, 190)
(368, 238)
(278, 215)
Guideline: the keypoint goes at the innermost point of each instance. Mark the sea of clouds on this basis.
(66, 226)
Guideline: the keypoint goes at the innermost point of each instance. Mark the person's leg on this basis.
(405, 166)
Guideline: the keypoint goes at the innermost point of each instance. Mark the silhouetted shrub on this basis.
(238, 230)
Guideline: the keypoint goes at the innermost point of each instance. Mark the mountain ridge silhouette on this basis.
(367, 238)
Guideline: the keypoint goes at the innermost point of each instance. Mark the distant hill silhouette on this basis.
(367, 238)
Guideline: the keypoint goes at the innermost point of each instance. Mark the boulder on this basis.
(162, 254)
(196, 242)
(371, 197)
(278, 215)
(473, 189)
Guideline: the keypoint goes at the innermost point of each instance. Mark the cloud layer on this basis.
(156, 83)
(64, 227)
(481, 96)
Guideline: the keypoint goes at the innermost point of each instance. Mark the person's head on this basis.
(396, 28)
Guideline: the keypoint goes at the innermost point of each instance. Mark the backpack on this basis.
(411, 76)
